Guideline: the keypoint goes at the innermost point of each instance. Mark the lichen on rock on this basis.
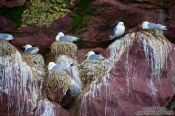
(42, 14)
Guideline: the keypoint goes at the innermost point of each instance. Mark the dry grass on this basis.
(58, 48)
(91, 71)
(54, 82)
(6, 48)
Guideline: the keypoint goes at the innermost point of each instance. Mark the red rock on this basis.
(19, 86)
(6, 25)
(47, 108)
(42, 40)
(11, 3)
(130, 87)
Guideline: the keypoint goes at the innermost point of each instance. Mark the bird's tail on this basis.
(76, 38)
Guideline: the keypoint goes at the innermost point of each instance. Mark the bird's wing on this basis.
(59, 67)
(32, 50)
(4, 36)
(93, 57)
(114, 30)
(68, 38)
(75, 88)
(156, 26)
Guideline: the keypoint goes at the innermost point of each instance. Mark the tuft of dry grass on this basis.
(58, 48)
(54, 82)
(91, 71)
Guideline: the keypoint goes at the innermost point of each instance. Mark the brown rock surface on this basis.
(137, 78)
(11, 3)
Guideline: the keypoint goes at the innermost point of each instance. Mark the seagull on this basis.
(6, 37)
(30, 50)
(53, 67)
(118, 30)
(75, 88)
(92, 56)
(148, 25)
(65, 38)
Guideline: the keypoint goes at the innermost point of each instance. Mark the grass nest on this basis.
(65, 48)
(36, 63)
(91, 71)
(54, 82)
(6, 48)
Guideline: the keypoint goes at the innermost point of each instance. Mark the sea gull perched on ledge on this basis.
(30, 50)
(65, 38)
(92, 56)
(6, 37)
(118, 30)
(148, 25)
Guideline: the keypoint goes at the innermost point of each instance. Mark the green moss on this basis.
(42, 14)
(14, 13)
(83, 13)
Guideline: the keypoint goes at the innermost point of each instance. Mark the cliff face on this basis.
(140, 65)
(93, 21)
(140, 75)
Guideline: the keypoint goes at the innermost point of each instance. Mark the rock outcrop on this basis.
(47, 108)
(20, 82)
(140, 75)
(11, 3)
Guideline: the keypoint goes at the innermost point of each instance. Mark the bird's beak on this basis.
(23, 46)
(86, 55)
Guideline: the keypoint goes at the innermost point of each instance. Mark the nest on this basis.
(36, 63)
(56, 82)
(6, 48)
(65, 48)
(91, 71)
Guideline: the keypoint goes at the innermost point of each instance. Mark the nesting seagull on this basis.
(148, 25)
(118, 30)
(75, 81)
(53, 67)
(65, 38)
(30, 50)
(92, 56)
(6, 37)
(75, 86)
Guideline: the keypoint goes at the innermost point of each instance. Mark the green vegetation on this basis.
(42, 14)
(83, 13)
(14, 13)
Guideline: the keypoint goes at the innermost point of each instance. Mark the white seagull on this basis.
(148, 25)
(6, 37)
(53, 67)
(118, 30)
(75, 86)
(30, 50)
(92, 56)
(65, 38)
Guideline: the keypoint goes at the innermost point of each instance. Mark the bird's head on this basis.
(27, 46)
(51, 65)
(60, 34)
(145, 24)
(90, 53)
(120, 23)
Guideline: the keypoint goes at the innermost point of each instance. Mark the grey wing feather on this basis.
(156, 26)
(32, 50)
(75, 88)
(95, 57)
(4, 36)
(68, 38)
(59, 68)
